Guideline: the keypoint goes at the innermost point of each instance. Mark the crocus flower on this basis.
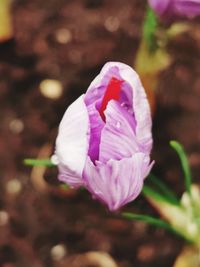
(104, 139)
(170, 10)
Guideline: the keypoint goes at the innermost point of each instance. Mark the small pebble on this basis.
(16, 126)
(112, 24)
(58, 252)
(146, 253)
(4, 217)
(63, 36)
(14, 186)
(50, 88)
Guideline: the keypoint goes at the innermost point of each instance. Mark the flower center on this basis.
(112, 92)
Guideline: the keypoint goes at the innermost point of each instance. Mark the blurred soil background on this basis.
(69, 41)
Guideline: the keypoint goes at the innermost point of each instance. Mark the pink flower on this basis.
(104, 140)
(170, 10)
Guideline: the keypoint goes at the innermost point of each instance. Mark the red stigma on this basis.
(112, 92)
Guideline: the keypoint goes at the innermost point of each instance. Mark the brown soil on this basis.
(101, 30)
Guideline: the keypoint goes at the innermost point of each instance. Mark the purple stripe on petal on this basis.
(96, 126)
(116, 182)
(93, 99)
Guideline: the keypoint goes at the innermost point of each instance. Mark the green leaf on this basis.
(149, 30)
(148, 219)
(184, 163)
(38, 162)
(151, 193)
(154, 221)
(164, 189)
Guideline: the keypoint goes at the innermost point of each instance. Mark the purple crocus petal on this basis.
(170, 10)
(118, 138)
(118, 181)
(93, 99)
(189, 8)
(72, 143)
(104, 140)
(141, 108)
(135, 96)
(97, 88)
(160, 6)
(69, 177)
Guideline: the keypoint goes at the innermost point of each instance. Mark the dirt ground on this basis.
(32, 222)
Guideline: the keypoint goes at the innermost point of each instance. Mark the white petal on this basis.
(72, 142)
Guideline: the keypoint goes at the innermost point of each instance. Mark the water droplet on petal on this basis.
(125, 105)
(54, 159)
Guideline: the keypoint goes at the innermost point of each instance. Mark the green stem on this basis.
(38, 162)
(184, 163)
(149, 30)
